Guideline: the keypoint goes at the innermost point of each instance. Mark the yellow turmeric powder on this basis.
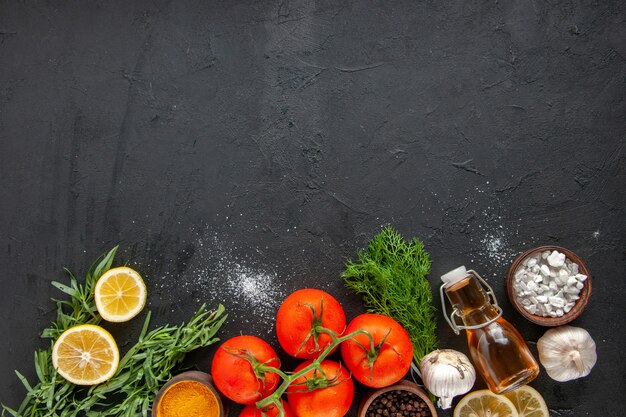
(188, 399)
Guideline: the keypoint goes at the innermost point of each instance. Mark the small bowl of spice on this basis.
(549, 285)
(404, 399)
(189, 394)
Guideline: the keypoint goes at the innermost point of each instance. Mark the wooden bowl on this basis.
(403, 385)
(578, 308)
(197, 376)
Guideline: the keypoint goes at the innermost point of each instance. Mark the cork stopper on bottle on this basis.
(454, 276)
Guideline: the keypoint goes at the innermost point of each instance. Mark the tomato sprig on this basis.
(374, 349)
(316, 327)
(241, 369)
(311, 324)
(379, 360)
(259, 368)
(318, 380)
(301, 318)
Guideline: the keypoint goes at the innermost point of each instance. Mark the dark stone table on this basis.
(237, 151)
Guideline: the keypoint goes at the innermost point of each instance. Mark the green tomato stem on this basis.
(289, 378)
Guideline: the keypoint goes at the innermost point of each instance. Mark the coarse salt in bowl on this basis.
(549, 285)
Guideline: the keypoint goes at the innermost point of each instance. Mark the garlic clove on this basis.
(447, 373)
(567, 353)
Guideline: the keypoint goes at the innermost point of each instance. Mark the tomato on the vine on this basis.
(315, 395)
(381, 360)
(239, 369)
(270, 411)
(299, 318)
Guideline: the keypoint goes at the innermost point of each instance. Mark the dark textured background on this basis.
(219, 140)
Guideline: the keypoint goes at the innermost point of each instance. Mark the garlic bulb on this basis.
(447, 373)
(567, 353)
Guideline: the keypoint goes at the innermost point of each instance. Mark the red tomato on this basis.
(233, 373)
(332, 401)
(392, 355)
(295, 322)
(271, 411)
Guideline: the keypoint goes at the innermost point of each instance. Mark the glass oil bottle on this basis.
(498, 351)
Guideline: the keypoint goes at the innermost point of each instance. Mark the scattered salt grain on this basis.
(221, 273)
(495, 246)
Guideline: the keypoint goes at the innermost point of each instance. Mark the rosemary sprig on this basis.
(149, 364)
(391, 276)
(141, 372)
(81, 308)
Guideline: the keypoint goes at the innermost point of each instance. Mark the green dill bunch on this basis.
(391, 277)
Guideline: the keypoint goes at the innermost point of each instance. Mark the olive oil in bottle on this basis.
(498, 351)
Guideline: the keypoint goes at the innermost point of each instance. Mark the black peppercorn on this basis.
(398, 403)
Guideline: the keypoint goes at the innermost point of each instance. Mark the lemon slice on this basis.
(484, 403)
(85, 355)
(528, 402)
(120, 294)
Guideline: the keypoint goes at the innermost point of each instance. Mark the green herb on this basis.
(391, 276)
(81, 308)
(141, 372)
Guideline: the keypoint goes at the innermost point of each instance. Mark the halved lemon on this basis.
(85, 355)
(528, 402)
(120, 294)
(484, 403)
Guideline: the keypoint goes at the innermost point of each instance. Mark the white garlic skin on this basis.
(447, 373)
(567, 353)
